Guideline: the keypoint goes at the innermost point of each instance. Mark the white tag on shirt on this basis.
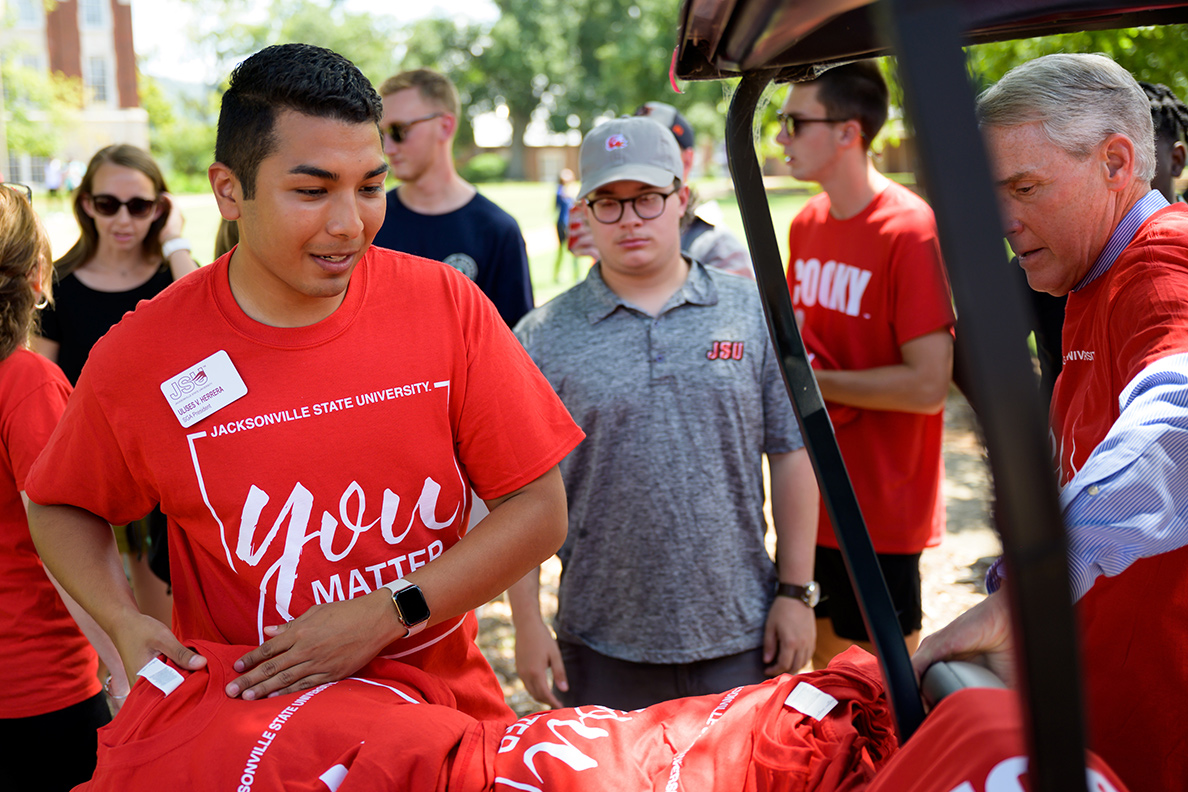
(204, 388)
(161, 676)
(810, 701)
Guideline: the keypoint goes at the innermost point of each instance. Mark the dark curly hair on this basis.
(310, 80)
(1168, 113)
(25, 270)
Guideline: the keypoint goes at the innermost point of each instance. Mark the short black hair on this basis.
(855, 90)
(1168, 113)
(311, 80)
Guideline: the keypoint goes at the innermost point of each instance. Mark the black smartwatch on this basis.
(411, 608)
(809, 593)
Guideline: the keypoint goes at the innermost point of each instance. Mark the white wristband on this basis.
(174, 245)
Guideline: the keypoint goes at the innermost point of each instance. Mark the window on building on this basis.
(91, 12)
(27, 12)
(37, 169)
(13, 173)
(96, 79)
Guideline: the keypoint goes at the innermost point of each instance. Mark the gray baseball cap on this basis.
(629, 149)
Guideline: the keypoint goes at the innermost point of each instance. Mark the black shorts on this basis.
(70, 732)
(839, 604)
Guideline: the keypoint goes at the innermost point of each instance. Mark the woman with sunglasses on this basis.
(130, 249)
(48, 669)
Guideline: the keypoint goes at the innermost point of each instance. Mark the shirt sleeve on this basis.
(512, 282)
(84, 464)
(27, 426)
(781, 429)
(921, 302)
(722, 249)
(1130, 499)
(513, 427)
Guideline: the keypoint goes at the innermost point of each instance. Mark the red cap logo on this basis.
(616, 141)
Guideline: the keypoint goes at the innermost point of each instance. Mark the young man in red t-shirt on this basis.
(873, 303)
(312, 414)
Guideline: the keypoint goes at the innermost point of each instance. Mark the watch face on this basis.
(412, 606)
(812, 594)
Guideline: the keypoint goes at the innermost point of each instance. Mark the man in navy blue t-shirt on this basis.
(436, 213)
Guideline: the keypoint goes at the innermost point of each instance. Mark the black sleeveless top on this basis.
(80, 316)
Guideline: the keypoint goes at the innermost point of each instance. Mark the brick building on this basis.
(90, 40)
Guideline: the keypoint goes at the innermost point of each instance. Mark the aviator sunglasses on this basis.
(793, 124)
(398, 132)
(109, 205)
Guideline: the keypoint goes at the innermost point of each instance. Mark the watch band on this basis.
(809, 593)
(414, 627)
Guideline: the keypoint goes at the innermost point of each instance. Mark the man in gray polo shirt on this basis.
(667, 587)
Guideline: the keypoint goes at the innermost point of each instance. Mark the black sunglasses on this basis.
(23, 189)
(109, 205)
(791, 124)
(398, 132)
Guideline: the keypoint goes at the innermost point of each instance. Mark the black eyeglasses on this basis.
(23, 189)
(791, 124)
(109, 205)
(399, 132)
(647, 206)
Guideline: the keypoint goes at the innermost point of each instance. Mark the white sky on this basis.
(160, 30)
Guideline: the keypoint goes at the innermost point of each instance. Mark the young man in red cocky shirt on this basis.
(873, 303)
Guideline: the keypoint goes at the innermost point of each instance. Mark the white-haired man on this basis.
(1072, 146)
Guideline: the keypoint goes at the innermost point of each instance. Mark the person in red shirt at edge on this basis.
(872, 300)
(311, 413)
(47, 666)
(1072, 150)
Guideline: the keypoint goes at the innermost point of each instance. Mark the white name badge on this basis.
(204, 388)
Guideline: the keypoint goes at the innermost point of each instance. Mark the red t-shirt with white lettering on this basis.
(348, 463)
(864, 287)
(823, 731)
(1134, 626)
(46, 663)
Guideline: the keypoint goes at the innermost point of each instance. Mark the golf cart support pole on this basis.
(878, 613)
(927, 39)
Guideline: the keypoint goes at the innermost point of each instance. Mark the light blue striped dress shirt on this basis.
(1130, 499)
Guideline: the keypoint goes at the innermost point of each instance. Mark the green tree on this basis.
(1153, 54)
(181, 129)
(568, 63)
(515, 63)
(367, 39)
(37, 105)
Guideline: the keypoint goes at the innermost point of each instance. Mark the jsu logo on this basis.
(188, 383)
(726, 350)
